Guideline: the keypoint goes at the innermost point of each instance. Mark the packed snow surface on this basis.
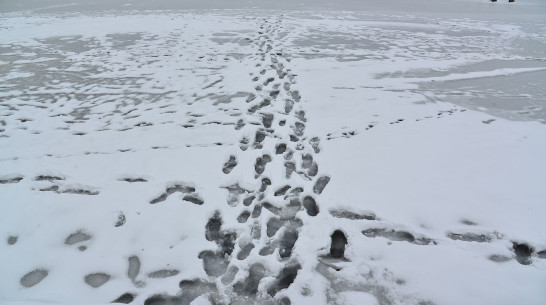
(251, 152)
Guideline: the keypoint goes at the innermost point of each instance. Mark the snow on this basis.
(205, 153)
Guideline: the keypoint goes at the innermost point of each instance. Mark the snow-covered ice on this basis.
(207, 152)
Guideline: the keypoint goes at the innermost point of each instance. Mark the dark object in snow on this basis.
(523, 253)
(337, 249)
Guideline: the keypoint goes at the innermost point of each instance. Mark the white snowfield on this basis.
(370, 153)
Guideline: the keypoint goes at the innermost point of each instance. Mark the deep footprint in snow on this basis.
(33, 278)
(338, 242)
(310, 206)
(523, 252)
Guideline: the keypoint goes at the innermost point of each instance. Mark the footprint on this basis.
(134, 268)
(249, 287)
(260, 164)
(11, 180)
(125, 298)
(321, 184)
(33, 278)
(337, 247)
(299, 128)
(267, 120)
(77, 237)
(282, 191)
(243, 217)
(290, 168)
(523, 252)
(164, 273)
(397, 236)
(280, 148)
(171, 190)
(315, 144)
(284, 279)
(47, 178)
(96, 280)
(310, 206)
(245, 251)
(133, 179)
(273, 225)
(193, 199)
(342, 213)
(470, 237)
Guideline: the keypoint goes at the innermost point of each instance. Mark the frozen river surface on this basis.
(205, 152)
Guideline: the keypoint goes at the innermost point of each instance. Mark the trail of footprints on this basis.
(269, 215)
